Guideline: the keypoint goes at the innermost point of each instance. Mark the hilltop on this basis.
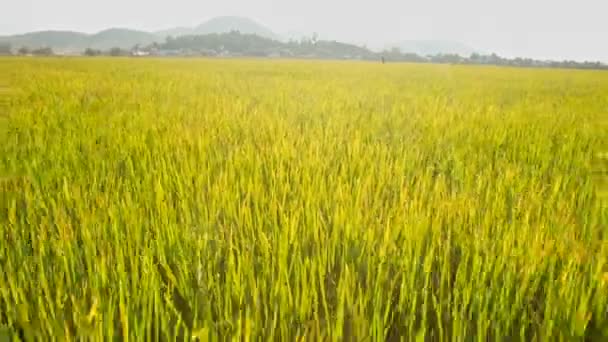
(125, 38)
(222, 24)
(77, 41)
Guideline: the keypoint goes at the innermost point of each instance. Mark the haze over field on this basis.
(542, 29)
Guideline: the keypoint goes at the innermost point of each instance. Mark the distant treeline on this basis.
(236, 44)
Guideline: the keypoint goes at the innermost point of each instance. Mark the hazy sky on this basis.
(532, 28)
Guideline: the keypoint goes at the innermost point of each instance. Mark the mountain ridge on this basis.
(222, 24)
(126, 38)
(72, 40)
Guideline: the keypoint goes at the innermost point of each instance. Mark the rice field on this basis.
(277, 200)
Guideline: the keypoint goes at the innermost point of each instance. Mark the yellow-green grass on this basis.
(301, 200)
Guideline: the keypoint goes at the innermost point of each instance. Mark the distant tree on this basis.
(116, 51)
(447, 58)
(23, 51)
(494, 59)
(412, 57)
(305, 41)
(235, 43)
(45, 51)
(92, 52)
(5, 49)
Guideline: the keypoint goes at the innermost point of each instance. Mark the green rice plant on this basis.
(167, 199)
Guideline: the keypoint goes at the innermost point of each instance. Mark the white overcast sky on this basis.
(531, 28)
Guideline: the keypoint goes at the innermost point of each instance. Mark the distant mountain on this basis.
(239, 44)
(227, 24)
(67, 40)
(222, 25)
(125, 38)
(433, 47)
(122, 38)
(55, 39)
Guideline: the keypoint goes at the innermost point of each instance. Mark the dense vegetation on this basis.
(161, 198)
(121, 42)
(235, 43)
(253, 45)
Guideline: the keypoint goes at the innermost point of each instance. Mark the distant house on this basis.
(168, 53)
(68, 52)
(207, 52)
(138, 53)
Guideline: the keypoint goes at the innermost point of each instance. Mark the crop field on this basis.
(274, 200)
